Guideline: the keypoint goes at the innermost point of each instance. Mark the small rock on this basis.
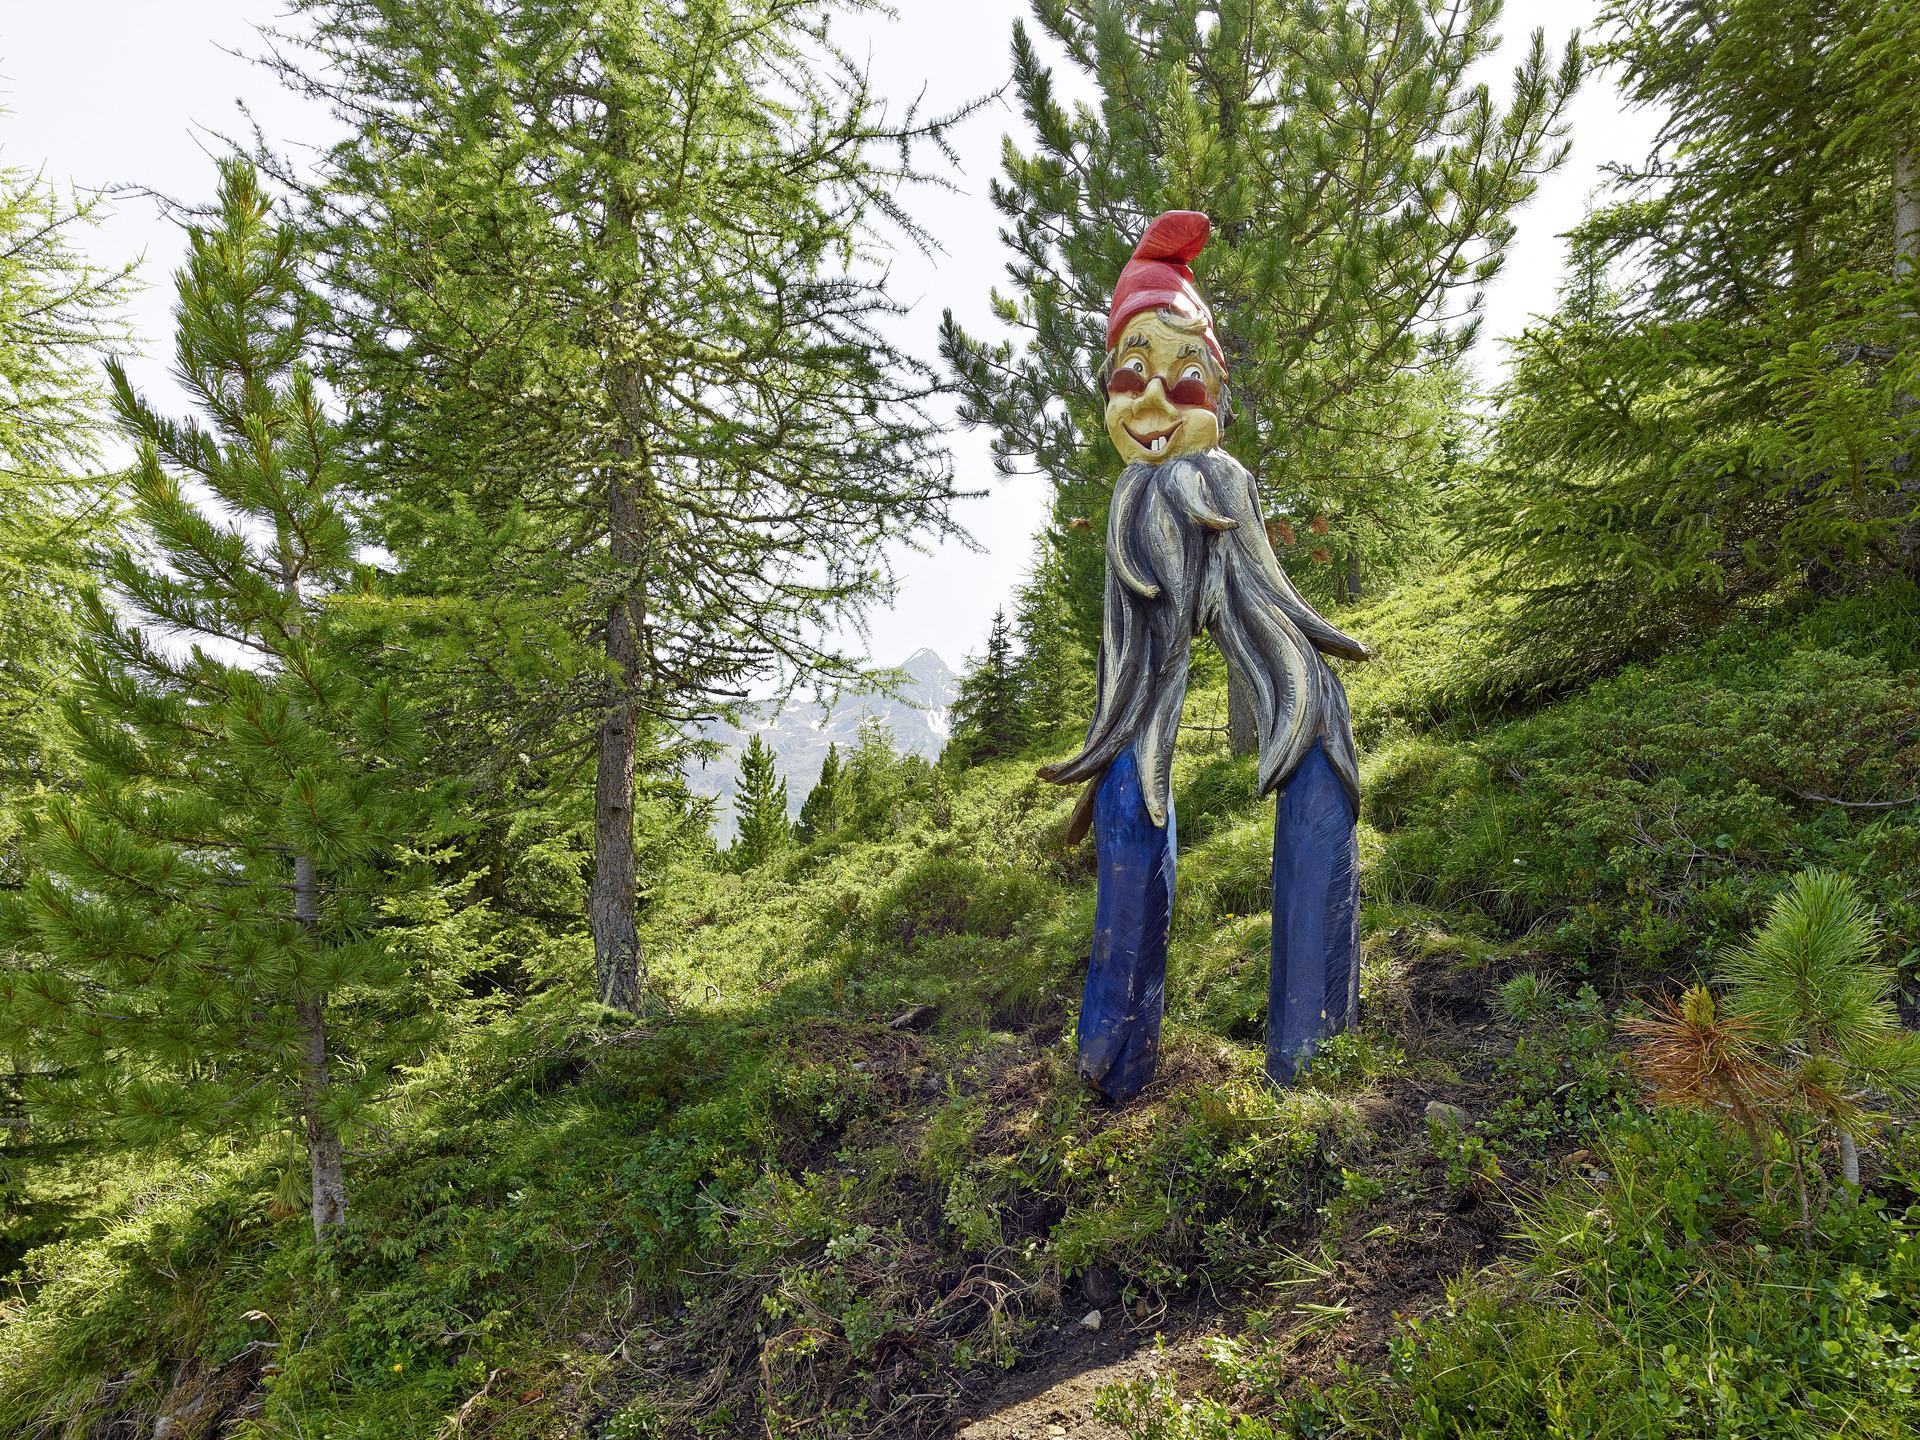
(1578, 1157)
(1090, 1320)
(1451, 1116)
(1056, 1429)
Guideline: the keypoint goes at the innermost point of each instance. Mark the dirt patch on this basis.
(1054, 1390)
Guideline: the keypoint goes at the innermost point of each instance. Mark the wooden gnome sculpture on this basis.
(1187, 547)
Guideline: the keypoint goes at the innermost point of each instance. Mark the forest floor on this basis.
(1393, 1260)
(759, 1209)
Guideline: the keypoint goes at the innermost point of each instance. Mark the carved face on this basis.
(1163, 392)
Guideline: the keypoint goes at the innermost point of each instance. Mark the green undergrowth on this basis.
(1667, 1292)
(1632, 828)
(757, 1176)
(758, 1208)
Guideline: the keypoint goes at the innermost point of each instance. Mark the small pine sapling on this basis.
(1809, 982)
(1805, 1031)
(1694, 1056)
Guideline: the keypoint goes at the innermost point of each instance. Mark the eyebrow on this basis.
(1186, 350)
(1134, 342)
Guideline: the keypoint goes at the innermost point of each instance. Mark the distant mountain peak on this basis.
(928, 668)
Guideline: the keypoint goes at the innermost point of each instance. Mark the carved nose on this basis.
(1156, 393)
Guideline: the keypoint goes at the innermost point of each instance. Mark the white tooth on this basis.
(1159, 444)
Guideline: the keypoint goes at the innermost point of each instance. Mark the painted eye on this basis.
(1127, 380)
(1193, 373)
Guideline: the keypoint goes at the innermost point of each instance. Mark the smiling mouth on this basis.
(1154, 444)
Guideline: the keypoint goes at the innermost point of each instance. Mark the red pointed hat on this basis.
(1158, 277)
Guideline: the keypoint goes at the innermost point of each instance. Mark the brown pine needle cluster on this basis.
(1692, 1056)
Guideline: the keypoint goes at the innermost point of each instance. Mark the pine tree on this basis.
(199, 945)
(1808, 1031)
(760, 803)
(1810, 983)
(875, 779)
(818, 813)
(599, 294)
(1362, 191)
(988, 720)
(1734, 415)
(1054, 672)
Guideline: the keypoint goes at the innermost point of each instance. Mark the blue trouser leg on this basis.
(1126, 982)
(1314, 988)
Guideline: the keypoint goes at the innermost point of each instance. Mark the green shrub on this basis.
(1646, 820)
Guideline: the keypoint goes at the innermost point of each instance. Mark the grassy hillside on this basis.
(762, 1209)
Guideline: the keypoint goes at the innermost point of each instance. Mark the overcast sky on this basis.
(105, 92)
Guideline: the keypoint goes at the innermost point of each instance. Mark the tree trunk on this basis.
(1906, 256)
(611, 899)
(1906, 208)
(325, 1169)
(323, 1141)
(1353, 577)
(1243, 731)
(1849, 1159)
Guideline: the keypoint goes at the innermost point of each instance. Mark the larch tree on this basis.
(199, 944)
(604, 292)
(56, 310)
(1361, 190)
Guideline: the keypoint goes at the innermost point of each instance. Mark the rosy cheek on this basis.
(1191, 392)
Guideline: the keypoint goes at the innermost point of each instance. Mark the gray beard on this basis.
(1187, 547)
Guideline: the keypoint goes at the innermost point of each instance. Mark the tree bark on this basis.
(611, 898)
(323, 1140)
(1353, 577)
(1906, 256)
(1906, 208)
(326, 1171)
(1849, 1159)
(1243, 731)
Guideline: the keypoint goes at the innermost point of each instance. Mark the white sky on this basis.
(105, 92)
